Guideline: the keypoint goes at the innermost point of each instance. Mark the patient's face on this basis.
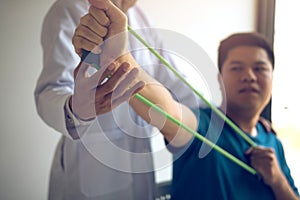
(247, 74)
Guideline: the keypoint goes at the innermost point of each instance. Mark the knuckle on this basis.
(76, 45)
(86, 20)
(99, 40)
(84, 31)
(83, 19)
(93, 10)
(74, 39)
(124, 19)
(80, 42)
(103, 32)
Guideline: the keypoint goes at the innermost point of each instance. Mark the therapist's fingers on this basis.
(120, 88)
(127, 94)
(128, 86)
(91, 31)
(99, 15)
(115, 79)
(84, 38)
(88, 35)
(93, 24)
(102, 74)
(117, 18)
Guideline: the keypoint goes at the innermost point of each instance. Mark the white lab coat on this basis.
(112, 159)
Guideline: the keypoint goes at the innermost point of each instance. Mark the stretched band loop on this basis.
(214, 108)
(196, 134)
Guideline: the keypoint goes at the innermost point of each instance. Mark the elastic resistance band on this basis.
(216, 110)
(94, 63)
(189, 130)
(196, 134)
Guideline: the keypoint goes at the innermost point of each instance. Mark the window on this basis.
(285, 103)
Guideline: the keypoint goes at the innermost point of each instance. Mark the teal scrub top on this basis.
(215, 177)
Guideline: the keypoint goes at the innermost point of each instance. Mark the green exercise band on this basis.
(216, 110)
(196, 134)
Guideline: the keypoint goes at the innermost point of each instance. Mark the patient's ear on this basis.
(220, 81)
(221, 85)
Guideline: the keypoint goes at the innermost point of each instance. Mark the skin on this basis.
(92, 97)
(247, 76)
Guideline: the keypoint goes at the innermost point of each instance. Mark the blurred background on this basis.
(27, 144)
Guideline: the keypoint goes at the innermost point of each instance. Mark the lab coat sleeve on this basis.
(55, 83)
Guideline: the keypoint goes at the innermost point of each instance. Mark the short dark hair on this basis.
(243, 39)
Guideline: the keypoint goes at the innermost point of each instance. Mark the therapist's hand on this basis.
(103, 31)
(104, 23)
(95, 95)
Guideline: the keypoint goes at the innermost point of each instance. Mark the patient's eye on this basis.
(236, 68)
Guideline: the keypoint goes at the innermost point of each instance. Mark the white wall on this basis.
(204, 21)
(27, 144)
